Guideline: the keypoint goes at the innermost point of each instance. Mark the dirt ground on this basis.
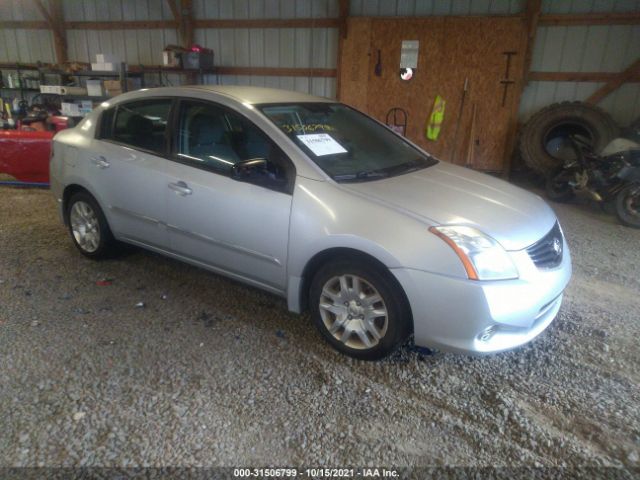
(211, 372)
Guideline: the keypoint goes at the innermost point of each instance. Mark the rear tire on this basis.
(359, 309)
(627, 204)
(88, 227)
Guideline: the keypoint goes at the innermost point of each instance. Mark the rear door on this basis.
(238, 227)
(129, 161)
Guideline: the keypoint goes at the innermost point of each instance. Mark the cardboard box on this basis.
(94, 88)
(113, 87)
(107, 58)
(105, 67)
(171, 58)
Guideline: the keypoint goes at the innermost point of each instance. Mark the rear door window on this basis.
(142, 124)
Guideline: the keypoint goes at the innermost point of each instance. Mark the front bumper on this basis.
(477, 317)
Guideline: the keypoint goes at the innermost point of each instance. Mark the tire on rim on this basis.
(557, 185)
(359, 309)
(88, 226)
(627, 204)
(544, 139)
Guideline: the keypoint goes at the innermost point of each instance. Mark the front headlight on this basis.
(483, 258)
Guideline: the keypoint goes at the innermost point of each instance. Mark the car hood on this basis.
(450, 195)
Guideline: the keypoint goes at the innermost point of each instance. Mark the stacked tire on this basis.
(543, 143)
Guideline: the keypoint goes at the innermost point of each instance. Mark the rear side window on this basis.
(106, 123)
(142, 124)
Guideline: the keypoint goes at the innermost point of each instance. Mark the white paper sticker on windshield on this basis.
(321, 144)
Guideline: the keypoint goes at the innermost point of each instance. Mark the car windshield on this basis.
(347, 145)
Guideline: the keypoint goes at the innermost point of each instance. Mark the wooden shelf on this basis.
(19, 66)
(21, 89)
(105, 73)
(79, 97)
(177, 70)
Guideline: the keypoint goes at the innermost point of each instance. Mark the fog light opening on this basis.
(487, 333)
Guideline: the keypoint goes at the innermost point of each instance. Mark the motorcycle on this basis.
(613, 175)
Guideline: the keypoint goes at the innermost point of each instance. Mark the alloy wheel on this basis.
(85, 226)
(353, 311)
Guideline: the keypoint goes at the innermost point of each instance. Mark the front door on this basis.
(240, 228)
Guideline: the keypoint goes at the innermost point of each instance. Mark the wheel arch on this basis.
(339, 253)
(67, 193)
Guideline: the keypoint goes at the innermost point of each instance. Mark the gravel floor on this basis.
(211, 372)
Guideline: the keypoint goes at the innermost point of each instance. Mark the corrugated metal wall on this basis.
(272, 47)
(369, 8)
(24, 45)
(596, 48)
(578, 48)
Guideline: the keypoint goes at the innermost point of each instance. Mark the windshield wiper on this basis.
(361, 176)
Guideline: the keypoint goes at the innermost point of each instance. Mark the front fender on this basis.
(325, 217)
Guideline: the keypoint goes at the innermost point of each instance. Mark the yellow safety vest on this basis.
(436, 118)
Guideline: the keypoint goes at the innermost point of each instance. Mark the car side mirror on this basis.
(247, 169)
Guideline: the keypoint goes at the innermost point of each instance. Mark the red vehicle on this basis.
(25, 154)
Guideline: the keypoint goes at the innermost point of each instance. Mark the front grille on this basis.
(547, 252)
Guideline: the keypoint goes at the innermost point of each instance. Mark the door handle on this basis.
(100, 162)
(181, 188)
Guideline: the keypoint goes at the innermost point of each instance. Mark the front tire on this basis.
(359, 309)
(88, 227)
(627, 203)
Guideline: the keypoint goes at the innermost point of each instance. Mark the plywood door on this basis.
(451, 49)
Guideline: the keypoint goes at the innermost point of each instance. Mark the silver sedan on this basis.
(316, 202)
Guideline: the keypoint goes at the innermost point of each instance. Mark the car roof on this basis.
(250, 95)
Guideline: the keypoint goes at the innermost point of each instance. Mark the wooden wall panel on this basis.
(451, 49)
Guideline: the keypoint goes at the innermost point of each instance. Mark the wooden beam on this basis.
(269, 23)
(61, 47)
(531, 18)
(21, 66)
(186, 23)
(595, 77)
(627, 18)
(185, 32)
(158, 24)
(44, 12)
(614, 83)
(343, 16)
(125, 25)
(262, 71)
(55, 21)
(175, 11)
(24, 24)
(278, 71)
